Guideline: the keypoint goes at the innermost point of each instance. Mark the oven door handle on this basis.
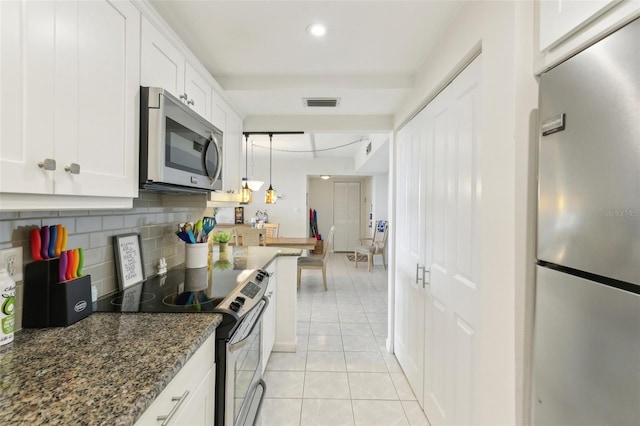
(238, 345)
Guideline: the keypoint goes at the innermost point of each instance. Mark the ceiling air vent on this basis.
(321, 102)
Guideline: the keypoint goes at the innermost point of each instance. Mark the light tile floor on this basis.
(342, 373)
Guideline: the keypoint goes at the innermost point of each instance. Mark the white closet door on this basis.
(346, 215)
(452, 299)
(410, 252)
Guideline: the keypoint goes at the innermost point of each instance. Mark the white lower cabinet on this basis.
(269, 317)
(189, 398)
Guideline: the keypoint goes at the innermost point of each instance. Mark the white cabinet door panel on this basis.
(106, 110)
(162, 64)
(198, 91)
(559, 18)
(27, 88)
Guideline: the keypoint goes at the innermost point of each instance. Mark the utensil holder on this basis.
(196, 255)
(51, 303)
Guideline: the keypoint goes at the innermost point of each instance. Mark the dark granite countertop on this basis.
(108, 368)
(105, 369)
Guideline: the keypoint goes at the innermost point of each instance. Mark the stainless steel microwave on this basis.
(179, 150)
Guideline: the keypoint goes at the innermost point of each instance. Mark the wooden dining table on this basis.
(292, 242)
(302, 243)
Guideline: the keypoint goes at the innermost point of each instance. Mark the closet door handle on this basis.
(425, 280)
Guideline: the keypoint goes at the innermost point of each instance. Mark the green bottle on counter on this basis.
(7, 307)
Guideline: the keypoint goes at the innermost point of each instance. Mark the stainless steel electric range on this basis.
(236, 294)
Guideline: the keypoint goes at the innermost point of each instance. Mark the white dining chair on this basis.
(317, 262)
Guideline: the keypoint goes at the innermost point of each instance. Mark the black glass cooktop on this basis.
(179, 290)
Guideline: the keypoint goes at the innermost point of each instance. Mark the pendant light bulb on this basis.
(246, 196)
(270, 195)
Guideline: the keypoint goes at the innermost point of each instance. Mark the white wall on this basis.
(495, 28)
(289, 179)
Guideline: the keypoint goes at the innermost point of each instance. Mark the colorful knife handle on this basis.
(35, 244)
(59, 229)
(44, 242)
(69, 274)
(63, 243)
(76, 262)
(62, 268)
(80, 262)
(53, 232)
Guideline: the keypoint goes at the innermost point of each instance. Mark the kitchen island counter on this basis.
(106, 369)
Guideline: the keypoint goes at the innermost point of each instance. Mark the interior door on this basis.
(410, 252)
(346, 215)
(452, 295)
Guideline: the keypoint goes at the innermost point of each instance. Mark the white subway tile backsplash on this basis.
(134, 220)
(9, 215)
(88, 224)
(94, 230)
(113, 222)
(78, 241)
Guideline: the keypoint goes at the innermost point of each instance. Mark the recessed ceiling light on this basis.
(325, 177)
(317, 30)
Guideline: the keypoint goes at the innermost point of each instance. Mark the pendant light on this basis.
(245, 194)
(270, 196)
(254, 185)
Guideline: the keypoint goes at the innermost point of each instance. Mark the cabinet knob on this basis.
(184, 97)
(48, 164)
(73, 168)
(190, 102)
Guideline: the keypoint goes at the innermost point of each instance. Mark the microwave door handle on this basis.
(216, 173)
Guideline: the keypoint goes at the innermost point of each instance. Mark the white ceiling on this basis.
(261, 55)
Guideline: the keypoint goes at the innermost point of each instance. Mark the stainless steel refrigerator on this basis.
(586, 352)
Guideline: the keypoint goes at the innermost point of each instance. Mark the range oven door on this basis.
(244, 386)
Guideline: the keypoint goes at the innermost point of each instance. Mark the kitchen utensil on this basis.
(62, 267)
(69, 274)
(59, 232)
(76, 263)
(80, 262)
(44, 242)
(53, 239)
(35, 244)
(63, 243)
(184, 236)
(192, 238)
(208, 223)
(198, 231)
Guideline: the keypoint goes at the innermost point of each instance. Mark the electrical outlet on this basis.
(12, 260)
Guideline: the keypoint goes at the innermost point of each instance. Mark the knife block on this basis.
(47, 302)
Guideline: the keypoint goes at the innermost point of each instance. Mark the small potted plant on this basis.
(222, 238)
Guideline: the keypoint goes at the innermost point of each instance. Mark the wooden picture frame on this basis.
(127, 253)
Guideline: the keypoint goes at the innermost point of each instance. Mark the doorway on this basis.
(346, 215)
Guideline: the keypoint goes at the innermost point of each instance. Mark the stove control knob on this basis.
(234, 306)
(240, 300)
(260, 276)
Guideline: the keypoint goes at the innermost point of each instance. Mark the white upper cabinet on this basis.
(566, 27)
(164, 65)
(68, 111)
(559, 18)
